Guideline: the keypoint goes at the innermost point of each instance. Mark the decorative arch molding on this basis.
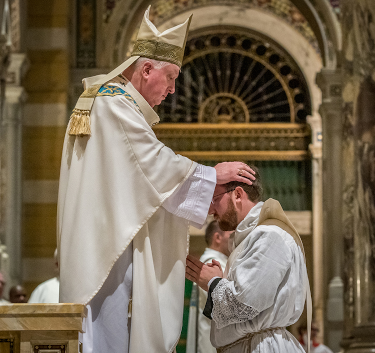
(326, 27)
(287, 37)
(284, 10)
(314, 18)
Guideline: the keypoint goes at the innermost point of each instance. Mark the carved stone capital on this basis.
(18, 66)
(15, 94)
(316, 151)
(330, 82)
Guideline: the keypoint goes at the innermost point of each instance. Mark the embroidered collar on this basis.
(245, 227)
(149, 114)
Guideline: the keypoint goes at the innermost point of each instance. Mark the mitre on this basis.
(167, 46)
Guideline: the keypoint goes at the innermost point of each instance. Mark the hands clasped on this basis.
(201, 273)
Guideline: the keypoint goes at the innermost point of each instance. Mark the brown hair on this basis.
(254, 192)
(211, 229)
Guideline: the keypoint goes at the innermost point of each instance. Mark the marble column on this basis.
(358, 169)
(15, 97)
(5, 48)
(330, 82)
(315, 147)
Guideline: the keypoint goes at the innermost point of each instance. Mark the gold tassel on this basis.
(79, 123)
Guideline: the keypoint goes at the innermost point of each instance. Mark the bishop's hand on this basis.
(201, 273)
(234, 171)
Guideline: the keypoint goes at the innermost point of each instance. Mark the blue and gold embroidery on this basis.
(109, 90)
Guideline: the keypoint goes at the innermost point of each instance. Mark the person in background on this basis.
(2, 286)
(48, 291)
(217, 249)
(315, 347)
(18, 294)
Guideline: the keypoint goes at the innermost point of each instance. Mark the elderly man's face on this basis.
(223, 210)
(159, 83)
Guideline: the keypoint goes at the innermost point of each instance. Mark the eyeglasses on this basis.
(216, 196)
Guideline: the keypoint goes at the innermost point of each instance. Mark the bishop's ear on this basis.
(147, 67)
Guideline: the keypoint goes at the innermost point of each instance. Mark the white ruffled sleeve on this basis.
(192, 200)
(226, 308)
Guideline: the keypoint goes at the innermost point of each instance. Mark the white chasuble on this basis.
(112, 185)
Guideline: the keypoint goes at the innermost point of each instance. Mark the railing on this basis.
(41, 328)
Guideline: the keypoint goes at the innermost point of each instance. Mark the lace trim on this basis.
(227, 309)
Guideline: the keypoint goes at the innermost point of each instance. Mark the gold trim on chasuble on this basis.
(91, 92)
(159, 51)
(79, 123)
(109, 90)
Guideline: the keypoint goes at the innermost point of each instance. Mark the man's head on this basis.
(159, 61)
(153, 79)
(216, 238)
(2, 285)
(233, 201)
(17, 294)
(153, 84)
(302, 330)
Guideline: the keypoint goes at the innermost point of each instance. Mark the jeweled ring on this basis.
(240, 171)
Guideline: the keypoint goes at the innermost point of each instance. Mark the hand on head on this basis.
(201, 273)
(234, 171)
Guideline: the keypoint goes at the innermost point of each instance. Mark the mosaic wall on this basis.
(86, 34)
(15, 24)
(336, 6)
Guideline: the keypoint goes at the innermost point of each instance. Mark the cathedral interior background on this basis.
(286, 85)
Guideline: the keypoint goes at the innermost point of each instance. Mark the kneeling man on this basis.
(264, 286)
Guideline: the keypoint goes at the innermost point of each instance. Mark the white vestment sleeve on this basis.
(227, 309)
(192, 200)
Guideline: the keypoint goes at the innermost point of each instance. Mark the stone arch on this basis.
(306, 57)
(319, 16)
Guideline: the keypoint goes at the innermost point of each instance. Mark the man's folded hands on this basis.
(200, 273)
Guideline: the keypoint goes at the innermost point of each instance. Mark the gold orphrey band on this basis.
(159, 51)
(247, 338)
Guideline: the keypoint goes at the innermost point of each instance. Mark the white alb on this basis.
(265, 289)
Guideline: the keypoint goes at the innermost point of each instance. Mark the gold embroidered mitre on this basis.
(167, 46)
